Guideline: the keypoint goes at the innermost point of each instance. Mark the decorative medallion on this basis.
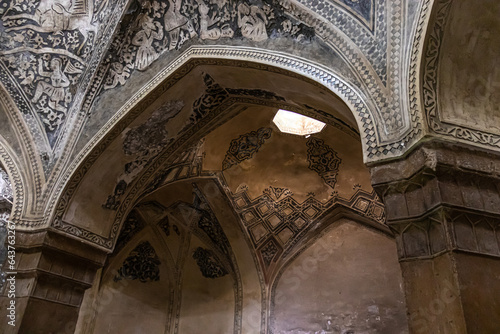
(245, 146)
(142, 264)
(323, 160)
(210, 266)
(270, 251)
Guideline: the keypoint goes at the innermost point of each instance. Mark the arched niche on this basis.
(178, 131)
(196, 269)
(345, 280)
(461, 77)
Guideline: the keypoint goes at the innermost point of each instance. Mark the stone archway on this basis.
(223, 102)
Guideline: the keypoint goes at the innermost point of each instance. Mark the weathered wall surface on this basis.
(347, 281)
(207, 303)
(469, 76)
(137, 303)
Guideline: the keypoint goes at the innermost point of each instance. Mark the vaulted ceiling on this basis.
(99, 99)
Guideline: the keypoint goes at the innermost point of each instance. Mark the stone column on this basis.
(443, 204)
(53, 271)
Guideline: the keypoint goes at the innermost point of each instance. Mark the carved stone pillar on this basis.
(53, 271)
(443, 204)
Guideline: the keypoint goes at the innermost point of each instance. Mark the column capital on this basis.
(52, 273)
(442, 197)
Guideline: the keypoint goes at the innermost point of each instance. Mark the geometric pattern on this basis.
(274, 224)
(363, 10)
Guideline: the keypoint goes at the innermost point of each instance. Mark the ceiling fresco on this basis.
(64, 63)
(281, 188)
(152, 86)
(48, 51)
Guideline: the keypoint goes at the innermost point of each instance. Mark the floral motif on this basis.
(245, 146)
(269, 251)
(324, 160)
(130, 227)
(210, 266)
(142, 264)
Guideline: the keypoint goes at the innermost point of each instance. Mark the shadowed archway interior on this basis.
(145, 188)
(239, 217)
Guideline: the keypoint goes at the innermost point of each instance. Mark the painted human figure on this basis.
(252, 21)
(118, 74)
(174, 21)
(54, 16)
(146, 54)
(56, 89)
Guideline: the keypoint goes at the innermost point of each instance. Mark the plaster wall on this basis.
(206, 303)
(469, 85)
(130, 306)
(347, 281)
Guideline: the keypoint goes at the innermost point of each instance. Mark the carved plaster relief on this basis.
(161, 26)
(45, 48)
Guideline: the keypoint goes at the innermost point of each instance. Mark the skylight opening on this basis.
(297, 124)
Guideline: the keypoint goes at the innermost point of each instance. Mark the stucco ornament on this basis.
(142, 264)
(45, 47)
(161, 26)
(6, 193)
